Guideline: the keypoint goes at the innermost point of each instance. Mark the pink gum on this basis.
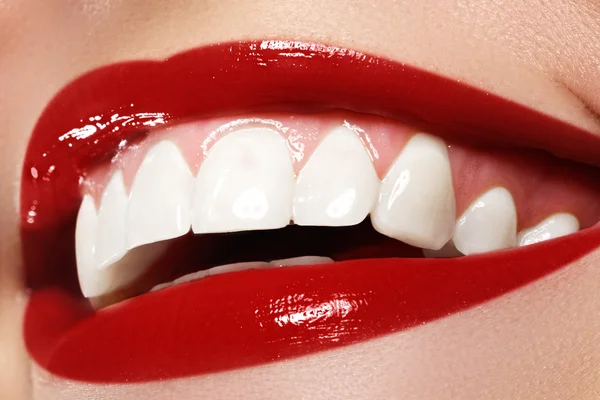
(541, 184)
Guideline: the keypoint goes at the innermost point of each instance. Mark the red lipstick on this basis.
(247, 318)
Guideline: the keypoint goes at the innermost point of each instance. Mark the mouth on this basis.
(242, 203)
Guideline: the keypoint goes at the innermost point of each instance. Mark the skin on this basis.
(540, 342)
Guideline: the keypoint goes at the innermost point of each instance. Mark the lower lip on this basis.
(258, 316)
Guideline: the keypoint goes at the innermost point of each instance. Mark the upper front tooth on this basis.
(110, 236)
(160, 200)
(245, 183)
(490, 223)
(555, 226)
(338, 185)
(416, 200)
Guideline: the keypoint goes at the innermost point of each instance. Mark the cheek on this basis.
(15, 366)
(545, 333)
(14, 370)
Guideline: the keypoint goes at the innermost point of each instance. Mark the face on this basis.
(439, 162)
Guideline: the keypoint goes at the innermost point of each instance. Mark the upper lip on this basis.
(78, 126)
(77, 129)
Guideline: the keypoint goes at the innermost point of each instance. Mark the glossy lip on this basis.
(252, 317)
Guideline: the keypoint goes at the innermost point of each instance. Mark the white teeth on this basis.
(85, 246)
(126, 270)
(416, 199)
(489, 224)
(110, 234)
(305, 260)
(213, 271)
(95, 279)
(245, 183)
(555, 226)
(241, 266)
(338, 185)
(448, 251)
(160, 200)
(221, 269)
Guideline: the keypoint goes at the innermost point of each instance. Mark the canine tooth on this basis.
(305, 260)
(95, 281)
(489, 224)
(448, 251)
(131, 266)
(160, 199)
(555, 226)
(85, 243)
(245, 183)
(416, 199)
(338, 185)
(110, 236)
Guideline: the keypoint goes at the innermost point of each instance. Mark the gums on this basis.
(252, 317)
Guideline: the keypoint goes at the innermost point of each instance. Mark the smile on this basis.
(251, 202)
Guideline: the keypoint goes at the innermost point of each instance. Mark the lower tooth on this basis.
(306, 260)
(221, 269)
(552, 227)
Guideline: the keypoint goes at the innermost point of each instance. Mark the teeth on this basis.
(241, 266)
(305, 260)
(134, 264)
(448, 251)
(85, 243)
(110, 234)
(338, 186)
(93, 280)
(245, 183)
(552, 227)
(489, 224)
(221, 269)
(213, 271)
(416, 199)
(160, 200)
